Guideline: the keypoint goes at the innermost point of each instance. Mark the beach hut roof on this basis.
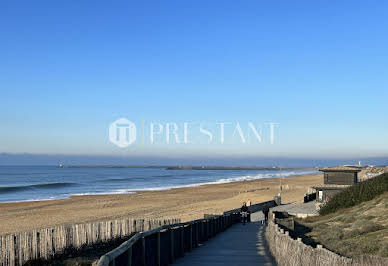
(340, 169)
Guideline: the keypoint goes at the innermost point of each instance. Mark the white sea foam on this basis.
(227, 180)
(161, 184)
(110, 192)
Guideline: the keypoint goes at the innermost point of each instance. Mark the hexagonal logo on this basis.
(122, 132)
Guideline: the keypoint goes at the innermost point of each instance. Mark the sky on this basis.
(316, 69)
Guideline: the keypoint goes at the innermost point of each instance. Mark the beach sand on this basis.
(185, 203)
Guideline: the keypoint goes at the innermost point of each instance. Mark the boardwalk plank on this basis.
(239, 245)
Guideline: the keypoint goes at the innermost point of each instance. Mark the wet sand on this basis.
(185, 203)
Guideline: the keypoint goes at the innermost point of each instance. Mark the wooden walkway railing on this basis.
(161, 246)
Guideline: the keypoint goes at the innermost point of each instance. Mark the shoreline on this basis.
(186, 203)
(122, 191)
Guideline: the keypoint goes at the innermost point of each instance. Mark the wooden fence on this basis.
(15, 249)
(256, 207)
(293, 252)
(163, 245)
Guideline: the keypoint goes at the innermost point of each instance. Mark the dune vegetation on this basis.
(356, 194)
(357, 225)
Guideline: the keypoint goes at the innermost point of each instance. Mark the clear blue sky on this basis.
(317, 68)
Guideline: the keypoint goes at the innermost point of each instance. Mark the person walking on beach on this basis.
(244, 213)
(265, 211)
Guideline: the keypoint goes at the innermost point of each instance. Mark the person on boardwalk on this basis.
(265, 211)
(244, 213)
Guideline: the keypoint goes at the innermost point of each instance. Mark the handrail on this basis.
(255, 207)
(213, 225)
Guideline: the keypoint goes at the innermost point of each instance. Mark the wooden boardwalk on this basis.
(238, 245)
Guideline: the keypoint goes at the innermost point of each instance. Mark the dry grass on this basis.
(360, 230)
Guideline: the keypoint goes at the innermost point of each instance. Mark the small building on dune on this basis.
(336, 179)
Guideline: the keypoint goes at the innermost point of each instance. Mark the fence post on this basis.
(143, 251)
(196, 234)
(207, 230)
(203, 233)
(215, 226)
(191, 237)
(129, 258)
(183, 240)
(210, 228)
(172, 246)
(158, 248)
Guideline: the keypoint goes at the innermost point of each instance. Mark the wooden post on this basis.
(129, 260)
(215, 226)
(203, 235)
(143, 251)
(196, 234)
(210, 228)
(183, 240)
(158, 248)
(191, 238)
(172, 246)
(207, 230)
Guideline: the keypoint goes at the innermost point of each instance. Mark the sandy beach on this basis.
(185, 203)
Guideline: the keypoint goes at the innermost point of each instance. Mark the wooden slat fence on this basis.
(161, 246)
(15, 249)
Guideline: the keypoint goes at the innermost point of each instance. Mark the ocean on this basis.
(30, 183)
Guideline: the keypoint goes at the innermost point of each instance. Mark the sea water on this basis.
(29, 183)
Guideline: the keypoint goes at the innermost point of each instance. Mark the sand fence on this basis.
(15, 249)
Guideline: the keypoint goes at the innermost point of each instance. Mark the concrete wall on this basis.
(327, 194)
